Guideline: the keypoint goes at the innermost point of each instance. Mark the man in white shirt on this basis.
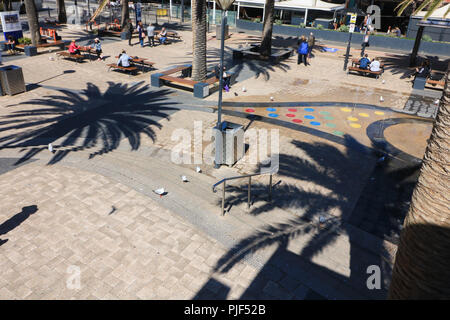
(124, 59)
(151, 35)
(375, 65)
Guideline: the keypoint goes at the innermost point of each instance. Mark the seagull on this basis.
(184, 179)
(436, 101)
(383, 81)
(244, 89)
(160, 191)
(271, 98)
(198, 169)
(50, 147)
(381, 99)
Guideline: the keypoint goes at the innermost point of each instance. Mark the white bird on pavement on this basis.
(198, 169)
(50, 147)
(381, 99)
(184, 178)
(160, 191)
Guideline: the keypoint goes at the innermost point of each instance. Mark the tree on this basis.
(266, 42)
(125, 14)
(33, 22)
(422, 263)
(61, 8)
(199, 40)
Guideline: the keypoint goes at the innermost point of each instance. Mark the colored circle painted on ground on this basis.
(249, 110)
(338, 133)
(292, 110)
(380, 113)
(363, 114)
(309, 109)
(328, 118)
(271, 109)
(297, 120)
(315, 123)
(331, 125)
(346, 109)
(309, 117)
(290, 115)
(273, 115)
(325, 113)
(355, 125)
(352, 119)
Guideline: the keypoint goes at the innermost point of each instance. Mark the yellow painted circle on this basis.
(352, 119)
(362, 114)
(346, 109)
(355, 125)
(380, 113)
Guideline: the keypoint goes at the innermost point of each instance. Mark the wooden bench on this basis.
(131, 69)
(58, 43)
(68, 55)
(182, 81)
(365, 71)
(436, 82)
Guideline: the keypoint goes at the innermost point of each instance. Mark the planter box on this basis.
(30, 50)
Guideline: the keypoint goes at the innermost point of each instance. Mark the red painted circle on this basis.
(292, 110)
(297, 120)
(290, 115)
(249, 110)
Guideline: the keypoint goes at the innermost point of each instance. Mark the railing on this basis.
(249, 176)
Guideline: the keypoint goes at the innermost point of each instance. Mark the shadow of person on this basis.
(17, 219)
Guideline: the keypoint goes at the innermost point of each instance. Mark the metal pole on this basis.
(249, 191)
(347, 53)
(223, 198)
(270, 188)
(222, 47)
(182, 11)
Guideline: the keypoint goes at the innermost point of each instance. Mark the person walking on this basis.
(141, 33)
(302, 51)
(130, 29)
(151, 35)
(365, 43)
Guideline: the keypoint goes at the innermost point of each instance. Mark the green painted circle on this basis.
(331, 125)
(328, 118)
(338, 133)
(324, 112)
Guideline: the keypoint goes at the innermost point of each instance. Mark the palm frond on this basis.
(99, 10)
(432, 7)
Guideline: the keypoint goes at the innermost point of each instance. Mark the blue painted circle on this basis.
(271, 109)
(309, 117)
(309, 109)
(315, 123)
(273, 115)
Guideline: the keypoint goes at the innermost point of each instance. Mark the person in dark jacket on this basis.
(364, 62)
(130, 29)
(302, 51)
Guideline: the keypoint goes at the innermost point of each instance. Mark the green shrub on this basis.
(278, 22)
(302, 25)
(25, 41)
(344, 28)
(257, 20)
(320, 27)
(426, 38)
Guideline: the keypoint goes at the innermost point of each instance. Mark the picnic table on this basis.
(87, 50)
(141, 62)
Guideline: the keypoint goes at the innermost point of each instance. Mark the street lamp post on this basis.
(224, 5)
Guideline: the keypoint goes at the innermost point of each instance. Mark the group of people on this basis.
(305, 47)
(74, 49)
(143, 32)
(366, 64)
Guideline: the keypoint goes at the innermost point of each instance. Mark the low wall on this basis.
(431, 48)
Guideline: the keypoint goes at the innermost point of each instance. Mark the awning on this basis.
(294, 5)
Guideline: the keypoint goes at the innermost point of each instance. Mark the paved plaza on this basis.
(83, 222)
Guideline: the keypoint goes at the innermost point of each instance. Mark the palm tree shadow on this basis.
(72, 121)
(315, 223)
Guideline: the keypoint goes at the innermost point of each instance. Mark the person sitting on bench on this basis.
(364, 62)
(225, 77)
(424, 70)
(124, 59)
(98, 48)
(375, 65)
(73, 48)
(163, 35)
(11, 45)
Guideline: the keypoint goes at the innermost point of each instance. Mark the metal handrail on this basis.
(249, 176)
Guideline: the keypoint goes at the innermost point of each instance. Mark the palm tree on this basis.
(61, 8)
(125, 13)
(199, 40)
(422, 264)
(266, 42)
(33, 22)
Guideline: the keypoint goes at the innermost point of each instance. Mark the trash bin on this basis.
(229, 142)
(12, 81)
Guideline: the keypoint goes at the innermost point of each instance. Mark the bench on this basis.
(365, 71)
(49, 34)
(68, 55)
(58, 43)
(436, 82)
(131, 69)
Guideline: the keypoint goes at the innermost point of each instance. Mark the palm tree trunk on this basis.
(33, 22)
(199, 40)
(266, 42)
(422, 264)
(125, 14)
(61, 9)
